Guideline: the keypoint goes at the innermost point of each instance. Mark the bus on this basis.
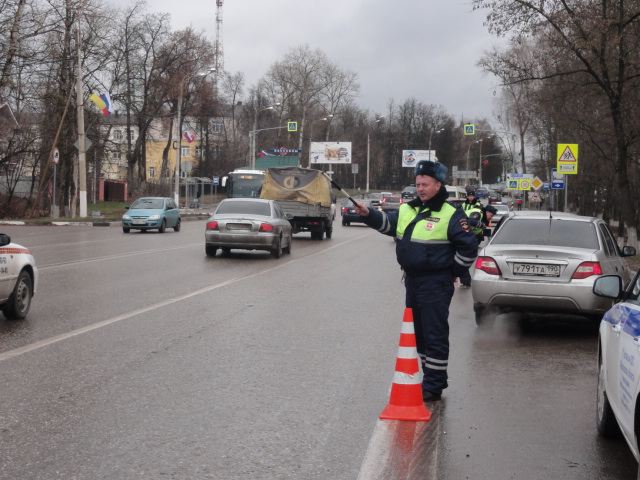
(243, 183)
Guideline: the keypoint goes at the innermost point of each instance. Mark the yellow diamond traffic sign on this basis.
(536, 183)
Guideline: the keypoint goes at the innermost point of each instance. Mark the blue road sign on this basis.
(557, 179)
(216, 180)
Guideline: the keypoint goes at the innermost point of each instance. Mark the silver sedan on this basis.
(546, 262)
(248, 224)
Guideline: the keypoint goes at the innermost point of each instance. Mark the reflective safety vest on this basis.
(469, 206)
(433, 228)
(475, 209)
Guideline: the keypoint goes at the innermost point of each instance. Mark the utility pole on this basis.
(82, 145)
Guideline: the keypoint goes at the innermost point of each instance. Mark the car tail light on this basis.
(487, 265)
(586, 269)
(266, 227)
(213, 226)
(345, 209)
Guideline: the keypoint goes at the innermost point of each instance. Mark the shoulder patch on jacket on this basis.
(464, 224)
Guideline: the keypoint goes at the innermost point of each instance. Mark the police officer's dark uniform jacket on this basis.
(434, 245)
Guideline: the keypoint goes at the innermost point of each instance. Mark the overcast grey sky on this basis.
(400, 49)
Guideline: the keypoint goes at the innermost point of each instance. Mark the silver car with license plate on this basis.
(18, 279)
(248, 224)
(546, 262)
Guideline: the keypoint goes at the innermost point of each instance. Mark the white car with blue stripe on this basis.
(18, 279)
(618, 405)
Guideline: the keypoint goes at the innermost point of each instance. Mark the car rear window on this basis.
(392, 200)
(555, 232)
(247, 208)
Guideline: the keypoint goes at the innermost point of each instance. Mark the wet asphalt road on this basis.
(143, 358)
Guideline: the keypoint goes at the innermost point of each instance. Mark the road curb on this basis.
(115, 223)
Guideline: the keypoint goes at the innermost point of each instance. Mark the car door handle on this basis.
(616, 328)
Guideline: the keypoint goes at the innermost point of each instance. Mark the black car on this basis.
(409, 193)
(494, 197)
(350, 216)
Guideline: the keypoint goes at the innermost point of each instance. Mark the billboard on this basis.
(411, 157)
(330, 152)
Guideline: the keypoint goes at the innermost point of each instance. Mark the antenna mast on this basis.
(219, 55)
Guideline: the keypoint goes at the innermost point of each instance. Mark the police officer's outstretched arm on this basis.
(464, 242)
(384, 222)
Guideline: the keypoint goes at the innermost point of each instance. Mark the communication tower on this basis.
(219, 55)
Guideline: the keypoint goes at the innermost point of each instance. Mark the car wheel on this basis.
(605, 420)
(163, 226)
(20, 300)
(344, 224)
(485, 317)
(177, 227)
(329, 230)
(288, 249)
(126, 230)
(211, 251)
(277, 252)
(226, 250)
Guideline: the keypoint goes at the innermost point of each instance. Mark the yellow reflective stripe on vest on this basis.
(432, 230)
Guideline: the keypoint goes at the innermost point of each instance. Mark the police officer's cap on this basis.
(492, 209)
(432, 169)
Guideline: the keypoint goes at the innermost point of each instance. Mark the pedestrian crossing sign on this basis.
(513, 185)
(469, 129)
(292, 126)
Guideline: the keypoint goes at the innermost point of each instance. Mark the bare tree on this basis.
(595, 40)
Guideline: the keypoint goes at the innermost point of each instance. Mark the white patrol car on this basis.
(617, 407)
(18, 279)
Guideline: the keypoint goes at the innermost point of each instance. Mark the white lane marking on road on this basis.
(403, 450)
(117, 255)
(79, 331)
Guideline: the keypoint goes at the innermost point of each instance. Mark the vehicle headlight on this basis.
(154, 217)
(126, 217)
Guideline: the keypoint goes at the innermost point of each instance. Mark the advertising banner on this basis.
(330, 152)
(411, 157)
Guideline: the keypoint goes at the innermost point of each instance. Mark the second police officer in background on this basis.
(479, 219)
(471, 202)
(434, 246)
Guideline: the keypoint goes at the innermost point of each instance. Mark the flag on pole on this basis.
(188, 136)
(102, 101)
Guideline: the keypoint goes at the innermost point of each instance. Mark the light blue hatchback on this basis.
(152, 213)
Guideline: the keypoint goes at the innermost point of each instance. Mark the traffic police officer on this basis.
(471, 202)
(434, 245)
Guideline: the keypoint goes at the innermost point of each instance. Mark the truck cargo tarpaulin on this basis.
(304, 185)
(330, 152)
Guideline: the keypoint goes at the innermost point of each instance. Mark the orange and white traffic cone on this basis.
(405, 402)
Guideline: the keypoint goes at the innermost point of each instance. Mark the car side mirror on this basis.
(608, 286)
(628, 251)
(288, 216)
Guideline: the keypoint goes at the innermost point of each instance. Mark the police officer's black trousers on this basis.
(430, 296)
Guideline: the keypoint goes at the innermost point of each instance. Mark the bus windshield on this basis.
(245, 184)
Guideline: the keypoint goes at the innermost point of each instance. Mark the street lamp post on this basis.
(177, 133)
(430, 134)
(252, 136)
(378, 120)
(325, 119)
